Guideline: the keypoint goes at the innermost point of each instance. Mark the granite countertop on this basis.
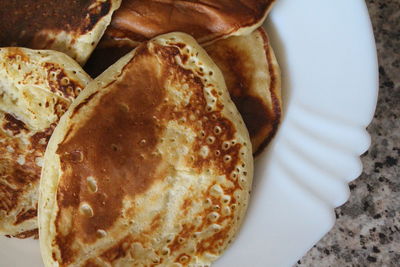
(367, 230)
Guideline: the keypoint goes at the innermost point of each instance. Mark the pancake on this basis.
(251, 73)
(152, 164)
(206, 20)
(36, 88)
(73, 27)
(253, 77)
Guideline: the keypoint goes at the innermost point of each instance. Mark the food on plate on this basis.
(152, 164)
(36, 88)
(73, 27)
(253, 78)
(251, 73)
(206, 20)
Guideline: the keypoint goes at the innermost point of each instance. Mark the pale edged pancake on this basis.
(73, 27)
(151, 165)
(206, 20)
(253, 77)
(36, 88)
(251, 73)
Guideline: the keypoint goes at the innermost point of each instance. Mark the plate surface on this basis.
(327, 54)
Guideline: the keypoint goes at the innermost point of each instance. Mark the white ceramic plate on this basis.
(327, 54)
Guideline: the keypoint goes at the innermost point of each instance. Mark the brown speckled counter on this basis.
(367, 231)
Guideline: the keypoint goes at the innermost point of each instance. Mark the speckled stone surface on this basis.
(367, 231)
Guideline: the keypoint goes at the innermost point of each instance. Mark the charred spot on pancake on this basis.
(13, 124)
(8, 196)
(39, 140)
(95, 13)
(253, 111)
(31, 233)
(23, 22)
(25, 215)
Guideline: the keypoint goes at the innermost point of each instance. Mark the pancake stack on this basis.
(150, 163)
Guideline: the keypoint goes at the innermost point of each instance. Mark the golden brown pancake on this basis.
(251, 73)
(253, 78)
(151, 165)
(206, 20)
(73, 27)
(36, 88)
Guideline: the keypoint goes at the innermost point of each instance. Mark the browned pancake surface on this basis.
(253, 79)
(206, 20)
(36, 88)
(22, 21)
(251, 73)
(154, 149)
(73, 27)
